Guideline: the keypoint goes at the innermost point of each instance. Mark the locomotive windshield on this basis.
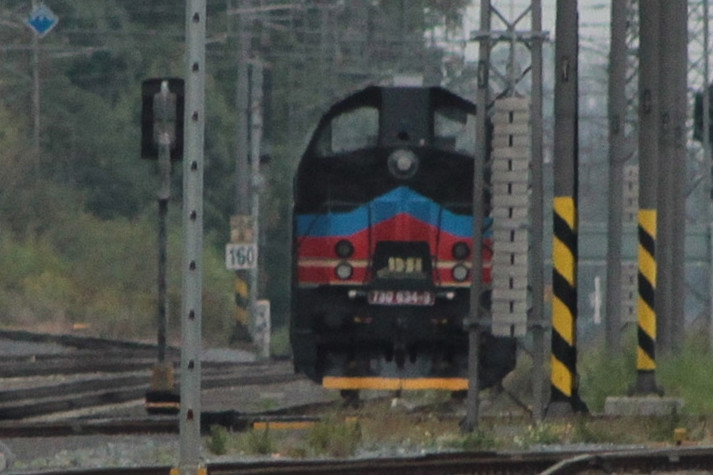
(351, 130)
(358, 128)
(454, 129)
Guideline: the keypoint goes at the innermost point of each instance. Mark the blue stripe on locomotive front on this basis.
(399, 200)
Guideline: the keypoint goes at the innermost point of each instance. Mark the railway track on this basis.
(662, 461)
(23, 403)
(78, 379)
(230, 419)
(100, 372)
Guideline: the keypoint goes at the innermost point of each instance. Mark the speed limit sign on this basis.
(240, 256)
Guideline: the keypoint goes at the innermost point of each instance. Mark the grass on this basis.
(383, 430)
(217, 442)
(261, 442)
(335, 437)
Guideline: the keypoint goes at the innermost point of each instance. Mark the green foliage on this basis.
(217, 442)
(541, 434)
(603, 374)
(77, 219)
(591, 433)
(280, 341)
(478, 440)
(689, 374)
(33, 283)
(261, 442)
(335, 438)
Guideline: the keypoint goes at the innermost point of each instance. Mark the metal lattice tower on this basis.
(510, 65)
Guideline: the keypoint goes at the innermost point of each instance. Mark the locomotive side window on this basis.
(349, 131)
(454, 129)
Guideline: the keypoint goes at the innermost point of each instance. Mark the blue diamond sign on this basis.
(42, 20)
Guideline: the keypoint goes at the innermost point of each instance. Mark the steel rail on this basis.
(48, 399)
(550, 463)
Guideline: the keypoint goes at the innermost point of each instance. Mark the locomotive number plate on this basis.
(401, 297)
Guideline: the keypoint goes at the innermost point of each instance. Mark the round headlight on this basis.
(344, 271)
(460, 250)
(403, 163)
(460, 272)
(344, 249)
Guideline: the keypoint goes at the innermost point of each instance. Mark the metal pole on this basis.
(36, 98)
(649, 122)
(537, 281)
(664, 192)
(677, 70)
(564, 398)
(242, 170)
(255, 140)
(162, 293)
(617, 157)
(191, 314)
(708, 173)
(474, 320)
(164, 194)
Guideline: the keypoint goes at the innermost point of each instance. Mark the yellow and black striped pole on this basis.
(564, 304)
(646, 324)
(649, 123)
(564, 398)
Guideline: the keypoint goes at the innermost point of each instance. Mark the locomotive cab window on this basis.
(454, 129)
(351, 130)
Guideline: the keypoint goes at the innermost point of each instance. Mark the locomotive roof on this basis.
(372, 95)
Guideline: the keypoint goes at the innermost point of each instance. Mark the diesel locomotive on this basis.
(381, 245)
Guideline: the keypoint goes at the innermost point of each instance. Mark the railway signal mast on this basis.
(162, 139)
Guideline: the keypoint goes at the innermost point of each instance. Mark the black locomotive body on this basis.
(382, 239)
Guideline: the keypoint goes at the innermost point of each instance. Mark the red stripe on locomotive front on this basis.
(402, 227)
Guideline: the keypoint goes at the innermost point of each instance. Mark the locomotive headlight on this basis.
(460, 250)
(344, 249)
(403, 163)
(344, 271)
(459, 272)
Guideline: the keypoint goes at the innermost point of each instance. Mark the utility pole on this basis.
(242, 172)
(36, 98)
(192, 263)
(707, 165)
(674, 69)
(649, 122)
(564, 397)
(665, 171)
(621, 298)
(671, 173)
(256, 96)
(617, 158)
